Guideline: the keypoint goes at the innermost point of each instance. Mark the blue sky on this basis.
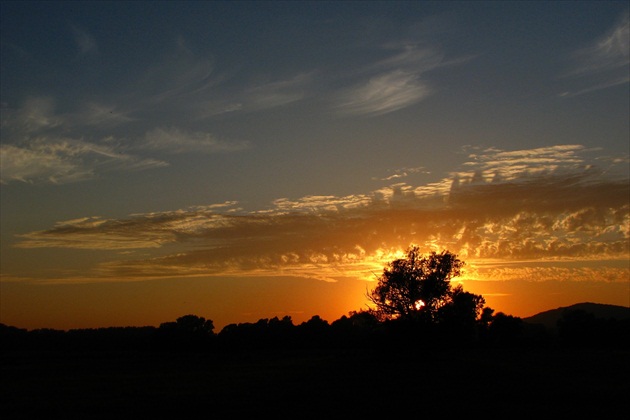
(311, 140)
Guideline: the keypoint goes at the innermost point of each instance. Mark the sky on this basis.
(246, 160)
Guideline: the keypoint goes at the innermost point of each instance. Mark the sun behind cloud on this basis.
(541, 205)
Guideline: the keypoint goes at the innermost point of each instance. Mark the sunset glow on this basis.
(244, 181)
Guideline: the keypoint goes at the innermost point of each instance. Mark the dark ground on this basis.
(316, 384)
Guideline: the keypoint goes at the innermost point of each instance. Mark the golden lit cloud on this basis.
(548, 205)
(537, 271)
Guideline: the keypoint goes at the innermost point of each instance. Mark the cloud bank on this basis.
(547, 204)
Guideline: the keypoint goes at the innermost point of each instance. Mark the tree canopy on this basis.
(419, 287)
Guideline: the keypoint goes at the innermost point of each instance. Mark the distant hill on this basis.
(550, 318)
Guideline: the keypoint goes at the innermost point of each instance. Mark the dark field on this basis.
(316, 384)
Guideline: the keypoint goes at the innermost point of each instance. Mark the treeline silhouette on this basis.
(575, 328)
(354, 367)
(414, 304)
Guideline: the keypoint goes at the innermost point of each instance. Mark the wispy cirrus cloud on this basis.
(279, 93)
(609, 52)
(184, 85)
(35, 115)
(604, 63)
(39, 115)
(86, 43)
(392, 83)
(100, 115)
(258, 96)
(174, 140)
(40, 145)
(65, 160)
(549, 208)
(180, 76)
(51, 163)
(384, 93)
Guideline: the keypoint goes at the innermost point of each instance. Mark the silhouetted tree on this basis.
(485, 318)
(461, 312)
(463, 306)
(416, 286)
(186, 331)
(265, 333)
(356, 328)
(194, 324)
(280, 331)
(314, 332)
(12, 337)
(504, 329)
